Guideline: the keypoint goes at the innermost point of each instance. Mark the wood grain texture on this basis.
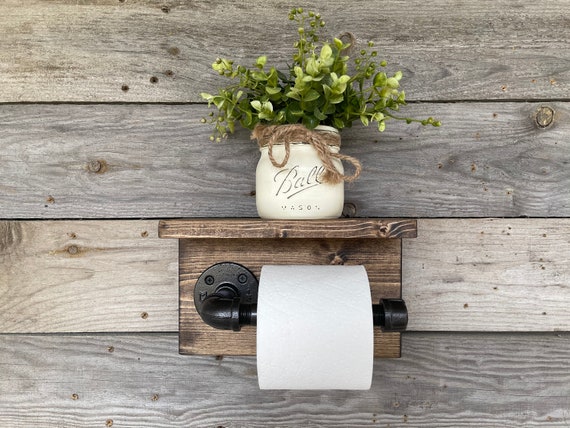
(116, 275)
(130, 146)
(86, 276)
(381, 258)
(476, 380)
(492, 274)
(488, 160)
(256, 228)
(94, 50)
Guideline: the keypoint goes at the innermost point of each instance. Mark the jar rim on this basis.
(332, 147)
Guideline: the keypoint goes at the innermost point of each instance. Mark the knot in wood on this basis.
(337, 258)
(544, 117)
(348, 38)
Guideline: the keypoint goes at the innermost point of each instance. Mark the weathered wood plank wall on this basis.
(469, 51)
(140, 380)
(99, 119)
(495, 275)
(121, 161)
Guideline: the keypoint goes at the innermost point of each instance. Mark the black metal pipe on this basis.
(225, 296)
(226, 313)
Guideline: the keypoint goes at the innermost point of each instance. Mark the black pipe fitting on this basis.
(391, 315)
(225, 296)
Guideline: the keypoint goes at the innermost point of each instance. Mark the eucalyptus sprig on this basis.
(317, 88)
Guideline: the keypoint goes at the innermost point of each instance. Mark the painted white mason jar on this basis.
(296, 191)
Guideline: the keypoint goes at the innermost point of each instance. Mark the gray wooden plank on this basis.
(121, 161)
(140, 380)
(90, 50)
(102, 276)
(87, 277)
(488, 275)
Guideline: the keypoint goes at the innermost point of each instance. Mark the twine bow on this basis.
(269, 135)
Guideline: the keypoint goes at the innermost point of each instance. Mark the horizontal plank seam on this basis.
(62, 219)
(406, 333)
(190, 103)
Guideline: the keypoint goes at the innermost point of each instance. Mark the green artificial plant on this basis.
(317, 88)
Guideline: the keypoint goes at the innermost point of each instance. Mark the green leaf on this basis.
(393, 83)
(386, 92)
(310, 121)
(378, 117)
(293, 112)
(294, 94)
(326, 52)
(329, 109)
(272, 91)
(338, 44)
(380, 80)
(206, 96)
(247, 119)
(256, 104)
(380, 105)
(335, 99)
(219, 101)
(328, 92)
(260, 62)
(319, 114)
(312, 67)
(338, 123)
(364, 120)
(266, 111)
(280, 117)
(260, 76)
(311, 96)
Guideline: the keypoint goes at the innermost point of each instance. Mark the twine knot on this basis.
(269, 135)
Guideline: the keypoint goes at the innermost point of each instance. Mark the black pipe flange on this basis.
(225, 296)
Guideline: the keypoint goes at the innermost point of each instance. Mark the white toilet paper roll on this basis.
(314, 328)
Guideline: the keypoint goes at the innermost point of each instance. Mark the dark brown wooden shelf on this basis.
(256, 228)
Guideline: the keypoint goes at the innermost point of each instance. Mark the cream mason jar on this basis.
(295, 191)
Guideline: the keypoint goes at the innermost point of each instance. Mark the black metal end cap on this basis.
(395, 315)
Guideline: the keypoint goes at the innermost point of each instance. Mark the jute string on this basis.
(269, 135)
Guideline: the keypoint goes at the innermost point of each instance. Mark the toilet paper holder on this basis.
(225, 297)
(374, 243)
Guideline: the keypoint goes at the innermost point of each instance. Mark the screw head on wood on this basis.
(94, 166)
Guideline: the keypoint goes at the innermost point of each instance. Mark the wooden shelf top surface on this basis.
(357, 228)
